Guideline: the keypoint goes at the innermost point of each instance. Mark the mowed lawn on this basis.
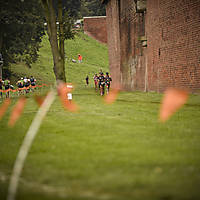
(105, 152)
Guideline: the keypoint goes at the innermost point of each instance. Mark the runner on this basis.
(26, 84)
(20, 85)
(108, 80)
(1, 87)
(95, 81)
(87, 80)
(33, 83)
(7, 87)
(101, 83)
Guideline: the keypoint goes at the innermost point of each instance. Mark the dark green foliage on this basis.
(72, 7)
(92, 8)
(71, 12)
(21, 29)
(68, 24)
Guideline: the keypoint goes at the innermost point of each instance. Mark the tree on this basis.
(92, 8)
(21, 30)
(56, 11)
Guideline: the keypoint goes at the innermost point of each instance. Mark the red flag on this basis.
(63, 90)
(111, 96)
(17, 111)
(173, 100)
(4, 107)
(44, 84)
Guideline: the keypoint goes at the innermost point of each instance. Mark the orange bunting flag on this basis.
(173, 100)
(39, 99)
(4, 107)
(111, 96)
(44, 84)
(33, 86)
(17, 111)
(63, 92)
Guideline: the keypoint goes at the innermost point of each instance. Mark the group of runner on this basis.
(24, 85)
(101, 81)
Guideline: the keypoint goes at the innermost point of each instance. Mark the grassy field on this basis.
(116, 152)
(95, 56)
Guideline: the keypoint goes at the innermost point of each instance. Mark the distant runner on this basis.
(87, 80)
(26, 84)
(108, 80)
(7, 87)
(1, 87)
(101, 83)
(20, 85)
(33, 83)
(95, 78)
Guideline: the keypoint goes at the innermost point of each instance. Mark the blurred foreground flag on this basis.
(111, 96)
(63, 90)
(173, 100)
(17, 111)
(4, 107)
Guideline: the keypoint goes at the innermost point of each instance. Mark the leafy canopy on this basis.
(21, 30)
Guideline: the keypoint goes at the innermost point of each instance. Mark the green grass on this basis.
(95, 56)
(116, 152)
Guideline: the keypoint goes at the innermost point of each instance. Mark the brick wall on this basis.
(112, 13)
(172, 55)
(173, 37)
(127, 57)
(96, 28)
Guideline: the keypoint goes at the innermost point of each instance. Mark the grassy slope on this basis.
(94, 54)
(104, 152)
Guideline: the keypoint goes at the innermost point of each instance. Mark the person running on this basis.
(87, 80)
(20, 85)
(33, 82)
(108, 80)
(1, 87)
(95, 78)
(101, 83)
(26, 84)
(7, 87)
(80, 58)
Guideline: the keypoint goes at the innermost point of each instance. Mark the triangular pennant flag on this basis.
(63, 92)
(4, 107)
(17, 111)
(111, 96)
(173, 100)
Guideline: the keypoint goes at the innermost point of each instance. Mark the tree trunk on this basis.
(59, 69)
(61, 35)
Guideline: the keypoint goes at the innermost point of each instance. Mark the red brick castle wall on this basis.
(173, 37)
(127, 56)
(172, 55)
(96, 28)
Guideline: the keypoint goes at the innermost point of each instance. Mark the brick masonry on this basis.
(173, 35)
(127, 57)
(96, 27)
(172, 55)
